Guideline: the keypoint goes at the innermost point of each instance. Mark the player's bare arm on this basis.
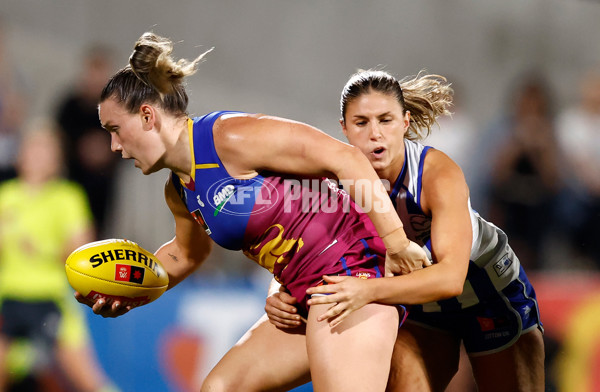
(250, 143)
(191, 245)
(445, 197)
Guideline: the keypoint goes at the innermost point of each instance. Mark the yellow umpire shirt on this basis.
(35, 226)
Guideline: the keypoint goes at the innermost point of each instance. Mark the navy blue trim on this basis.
(480, 281)
(450, 305)
(345, 266)
(420, 177)
(399, 181)
(371, 255)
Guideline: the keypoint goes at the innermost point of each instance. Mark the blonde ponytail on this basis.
(152, 63)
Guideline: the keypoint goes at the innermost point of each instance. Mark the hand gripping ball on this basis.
(116, 269)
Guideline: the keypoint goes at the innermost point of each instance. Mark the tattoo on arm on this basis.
(175, 259)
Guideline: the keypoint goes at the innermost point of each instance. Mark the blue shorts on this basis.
(492, 325)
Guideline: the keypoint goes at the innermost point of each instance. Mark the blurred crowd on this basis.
(534, 170)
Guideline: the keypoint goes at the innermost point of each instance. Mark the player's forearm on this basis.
(177, 263)
(433, 283)
(367, 190)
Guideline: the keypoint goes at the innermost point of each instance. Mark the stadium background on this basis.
(291, 58)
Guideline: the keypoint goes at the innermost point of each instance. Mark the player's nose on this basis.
(115, 145)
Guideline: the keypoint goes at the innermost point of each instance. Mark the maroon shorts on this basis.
(364, 259)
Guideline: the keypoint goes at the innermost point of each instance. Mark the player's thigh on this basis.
(264, 359)
(355, 355)
(424, 359)
(520, 367)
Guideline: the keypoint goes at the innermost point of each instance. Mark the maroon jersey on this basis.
(299, 229)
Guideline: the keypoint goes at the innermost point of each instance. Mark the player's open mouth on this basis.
(378, 152)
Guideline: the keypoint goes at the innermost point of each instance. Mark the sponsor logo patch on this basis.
(502, 266)
(198, 217)
(129, 273)
(486, 324)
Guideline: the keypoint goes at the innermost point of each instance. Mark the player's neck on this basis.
(180, 157)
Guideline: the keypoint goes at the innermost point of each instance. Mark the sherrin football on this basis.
(116, 269)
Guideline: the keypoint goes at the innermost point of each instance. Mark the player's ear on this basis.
(343, 124)
(406, 121)
(148, 116)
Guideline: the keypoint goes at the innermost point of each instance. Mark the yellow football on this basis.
(116, 269)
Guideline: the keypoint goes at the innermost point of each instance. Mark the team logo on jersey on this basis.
(129, 273)
(222, 197)
(503, 265)
(272, 249)
(363, 274)
(421, 226)
(199, 218)
(241, 197)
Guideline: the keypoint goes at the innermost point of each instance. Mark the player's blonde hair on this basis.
(425, 96)
(152, 76)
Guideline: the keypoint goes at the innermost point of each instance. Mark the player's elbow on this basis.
(203, 251)
(455, 283)
(350, 159)
(455, 288)
(450, 285)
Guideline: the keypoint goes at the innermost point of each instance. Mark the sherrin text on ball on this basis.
(117, 270)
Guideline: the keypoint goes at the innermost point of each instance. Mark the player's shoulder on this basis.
(229, 121)
(439, 170)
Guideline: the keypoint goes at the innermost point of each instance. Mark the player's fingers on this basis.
(325, 289)
(280, 325)
(275, 306)
(284, 323)
(323, 299)
(118, 309)
(330, 313)
(286, 298)
(82, 300)
(123, 310)
(99, 306)
(333, 278)
(334, 322)
(282, 314)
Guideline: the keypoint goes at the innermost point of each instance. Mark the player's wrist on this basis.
(396, 241)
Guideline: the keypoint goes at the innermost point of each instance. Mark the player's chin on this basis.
(147, 169)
